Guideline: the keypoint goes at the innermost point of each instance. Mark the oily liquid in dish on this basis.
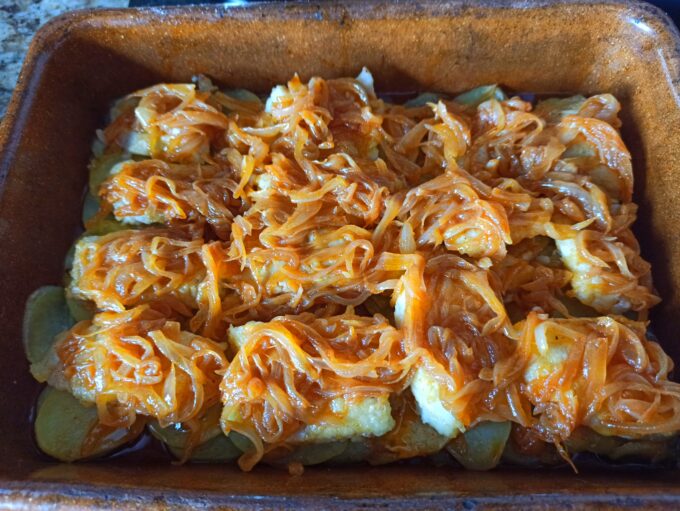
(328, 277)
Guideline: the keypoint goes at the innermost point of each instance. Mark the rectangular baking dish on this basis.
(79, 62)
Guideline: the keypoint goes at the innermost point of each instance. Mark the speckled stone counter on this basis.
(19, 21)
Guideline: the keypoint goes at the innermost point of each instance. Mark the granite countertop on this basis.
(19, 21)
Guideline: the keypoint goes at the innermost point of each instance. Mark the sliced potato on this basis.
(356, 450)
(91, 206)
(423, 99)
(80, 310)
(100, 169)
(479, 95)
(308, 454)
(241, 441)
(481, 447)
(46, 315)
(313, 454)
(538, 454)
(236, 100)
(106, 226)
(411, 438)
(216, 447)
(243, 95)
(554, 109)
(63, 428)
(172, 436)
(653, 449)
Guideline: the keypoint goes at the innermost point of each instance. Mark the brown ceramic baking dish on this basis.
(79, 62)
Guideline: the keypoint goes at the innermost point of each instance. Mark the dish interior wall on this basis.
(80, 63)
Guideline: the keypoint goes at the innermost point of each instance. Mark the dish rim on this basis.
(47, 40)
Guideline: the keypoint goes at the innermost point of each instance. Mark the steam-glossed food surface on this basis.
(324, 276)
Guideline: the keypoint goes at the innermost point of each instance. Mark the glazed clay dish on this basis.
(533, 52)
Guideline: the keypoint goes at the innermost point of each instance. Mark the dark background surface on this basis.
(672, 7)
